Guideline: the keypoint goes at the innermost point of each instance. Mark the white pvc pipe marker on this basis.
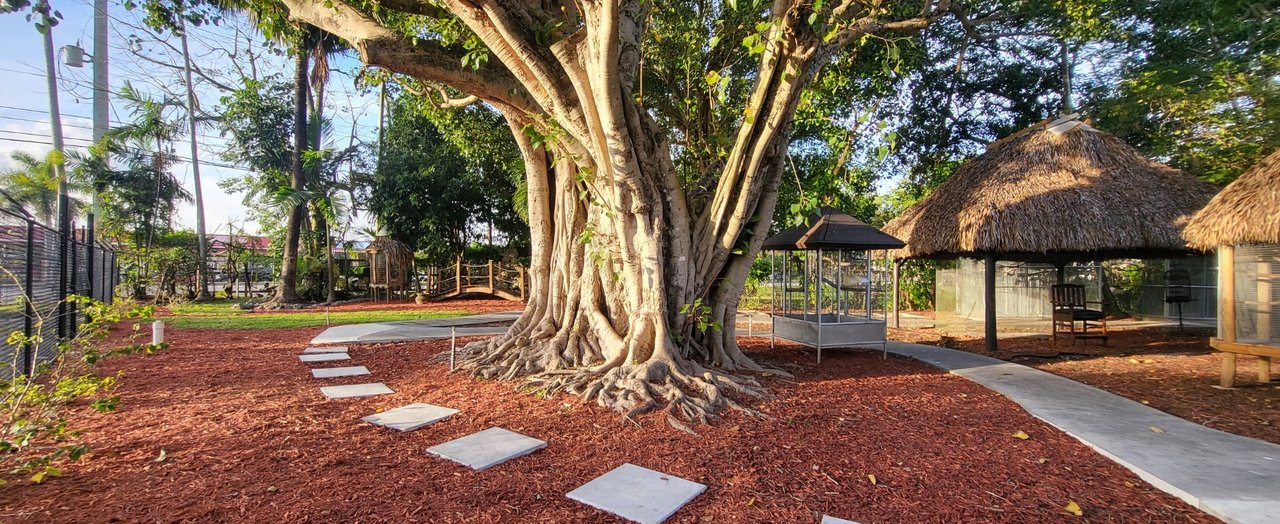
(157, 332)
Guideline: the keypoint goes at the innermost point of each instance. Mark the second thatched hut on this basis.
(1057, 192)
(1243, 223)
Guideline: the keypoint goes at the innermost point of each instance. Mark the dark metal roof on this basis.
(831, 228)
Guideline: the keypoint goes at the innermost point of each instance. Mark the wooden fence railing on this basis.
(491, 278)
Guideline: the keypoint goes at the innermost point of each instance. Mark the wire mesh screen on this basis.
(1257, 283)
(13, 265)
(1202, 288)
(31, 263)
(1022, 289)
(81, 258)
(96, 273)
(99, 274)
(46, 288)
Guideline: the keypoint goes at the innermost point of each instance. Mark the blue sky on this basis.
(24, 106)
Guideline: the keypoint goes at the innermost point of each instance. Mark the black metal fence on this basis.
(39, 268)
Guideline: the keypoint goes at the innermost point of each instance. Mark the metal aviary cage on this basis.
(827, 292)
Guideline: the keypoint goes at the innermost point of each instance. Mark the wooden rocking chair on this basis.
(1069, 307)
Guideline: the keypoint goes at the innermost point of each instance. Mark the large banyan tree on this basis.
(637, 265)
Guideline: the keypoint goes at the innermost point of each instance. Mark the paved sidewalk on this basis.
(414, 330)
(1228, 476)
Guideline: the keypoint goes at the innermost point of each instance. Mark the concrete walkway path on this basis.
(414, 330)
(1231, 477)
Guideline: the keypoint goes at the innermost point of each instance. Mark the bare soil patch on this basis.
(247, 436)
(1175, 372)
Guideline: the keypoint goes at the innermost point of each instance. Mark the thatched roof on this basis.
(392, 248)
(1057, 189)
(830, 228)
(1247, 211)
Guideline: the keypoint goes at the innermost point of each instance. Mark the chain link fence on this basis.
(41, 267)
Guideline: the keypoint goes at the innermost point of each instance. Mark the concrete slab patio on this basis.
(348, 371)
(414, 330)
(488, 448)
(356, 390)
(1231, 477)
(638, 494)
(410, 417)
(331, 349)
(323, 357)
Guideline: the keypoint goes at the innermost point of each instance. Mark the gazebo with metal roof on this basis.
(824, 286)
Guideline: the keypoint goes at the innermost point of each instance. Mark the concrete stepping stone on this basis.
(356, 390)
(349, 371)
(828, 519)
(410, 417)
(323, 357)
(638, 494)
(487, 448)
(332, 349)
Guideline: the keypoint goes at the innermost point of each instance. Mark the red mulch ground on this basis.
(249, 437)
(1175, 372)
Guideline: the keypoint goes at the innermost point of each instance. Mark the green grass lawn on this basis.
(223, 314)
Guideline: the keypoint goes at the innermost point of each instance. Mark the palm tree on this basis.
(323, 45)
(146, 143)
(35, 187)
(307, 43)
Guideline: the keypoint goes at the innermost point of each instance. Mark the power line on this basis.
(206, 137)
(64, 115)
(6, 139)
(174, 155)
(44, 122)
(42, 135)
(7, 70)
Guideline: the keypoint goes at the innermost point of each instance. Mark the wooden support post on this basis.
(1226, 294)
(1228, 369)
(989, 283)
(1226, 310)
(457, 275)
(522, 284)
(490, 277)
(1264, 369)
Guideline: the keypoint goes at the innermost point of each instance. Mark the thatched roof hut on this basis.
(1057, 188)
(1243, 222)
(390, 264)
(1245, 212)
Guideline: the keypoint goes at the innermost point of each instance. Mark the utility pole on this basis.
(55, 116)
(202, 272)
(101, 87)
(55, 123)
(101, 122)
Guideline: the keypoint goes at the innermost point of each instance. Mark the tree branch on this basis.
(419, 58)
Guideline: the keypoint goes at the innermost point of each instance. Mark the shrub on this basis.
(35, 437)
